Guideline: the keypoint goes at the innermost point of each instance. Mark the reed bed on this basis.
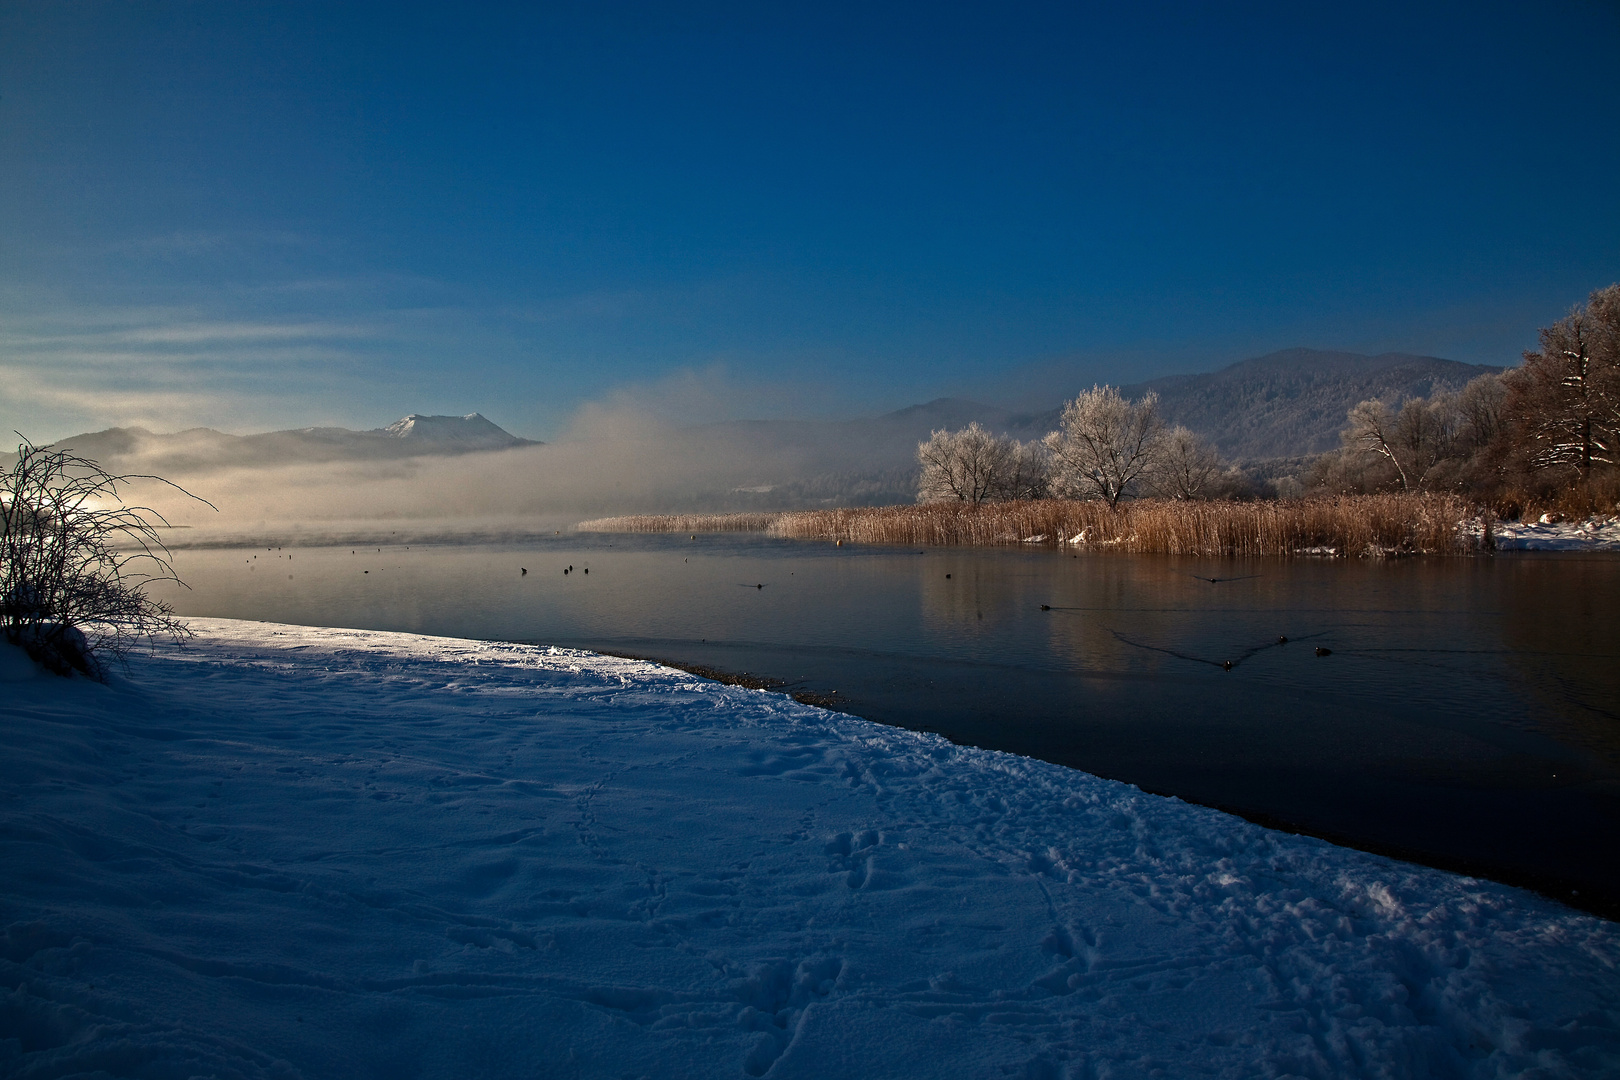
(1348, 525)
(686, 523)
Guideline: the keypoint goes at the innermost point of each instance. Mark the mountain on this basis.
(1284, 404)
(1294, 402)
(199, 449)
(948, 413)
(451, 433)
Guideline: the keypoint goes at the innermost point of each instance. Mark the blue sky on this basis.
(251, 216)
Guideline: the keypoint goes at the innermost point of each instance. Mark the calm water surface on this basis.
(1467, 714)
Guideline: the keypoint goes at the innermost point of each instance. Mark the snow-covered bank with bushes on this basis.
(1600, 533)
(292, 852)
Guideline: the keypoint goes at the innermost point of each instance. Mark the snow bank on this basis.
(1548, 534)
(301, 852)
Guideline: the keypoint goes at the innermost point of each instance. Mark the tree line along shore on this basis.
(1540, 438)
(1423, 476)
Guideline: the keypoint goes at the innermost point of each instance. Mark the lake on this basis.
(1466, 712)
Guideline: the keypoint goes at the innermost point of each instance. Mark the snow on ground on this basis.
(326, 853)
(1548, 534)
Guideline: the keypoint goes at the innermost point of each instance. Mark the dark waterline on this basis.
(1466, 713)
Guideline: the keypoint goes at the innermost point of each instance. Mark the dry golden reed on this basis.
(1349, 525)
(686, 523)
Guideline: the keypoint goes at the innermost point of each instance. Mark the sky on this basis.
(252, 216)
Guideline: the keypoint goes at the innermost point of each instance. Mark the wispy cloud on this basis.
(85, 366)
(195, 243)
(48, 345)
(361, 350)
(41, 408)
(211, 333)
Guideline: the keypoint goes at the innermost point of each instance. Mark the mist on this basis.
(611, 460)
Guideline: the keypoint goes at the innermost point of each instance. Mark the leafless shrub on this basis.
(75, 560)
(1600, 495)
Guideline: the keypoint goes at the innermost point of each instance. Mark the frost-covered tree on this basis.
(1188, 467)
(975, 465)
(1105, 446)
(75, 560)
(1564, 403)
(963, 465)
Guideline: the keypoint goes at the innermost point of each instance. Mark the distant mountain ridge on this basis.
(469, 432)
(204, 448)
(1294, 402)
(1289, 403)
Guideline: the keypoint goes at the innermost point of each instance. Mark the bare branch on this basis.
(974, 465)
(1563, 405)
(75, 559)
(1186, 467)
(1106, 445)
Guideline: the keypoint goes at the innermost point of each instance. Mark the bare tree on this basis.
(1448, 440)
(975, 465)
(1479, 408)
(1029, 472)
(1426, 429)
(1187, 467)
(1372, 431)
(965, 465)
(1413, 440)
(75, 560)
(1105, 445)
(1564, 403)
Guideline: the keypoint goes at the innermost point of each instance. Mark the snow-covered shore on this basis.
(292, 852)
(1592, 534)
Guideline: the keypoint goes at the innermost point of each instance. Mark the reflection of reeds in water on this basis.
(1342, 525)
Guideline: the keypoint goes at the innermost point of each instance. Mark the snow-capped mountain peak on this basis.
(471, 431)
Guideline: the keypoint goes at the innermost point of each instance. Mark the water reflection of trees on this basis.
(1106, 597)
(1090, 600)
(1514, 641)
